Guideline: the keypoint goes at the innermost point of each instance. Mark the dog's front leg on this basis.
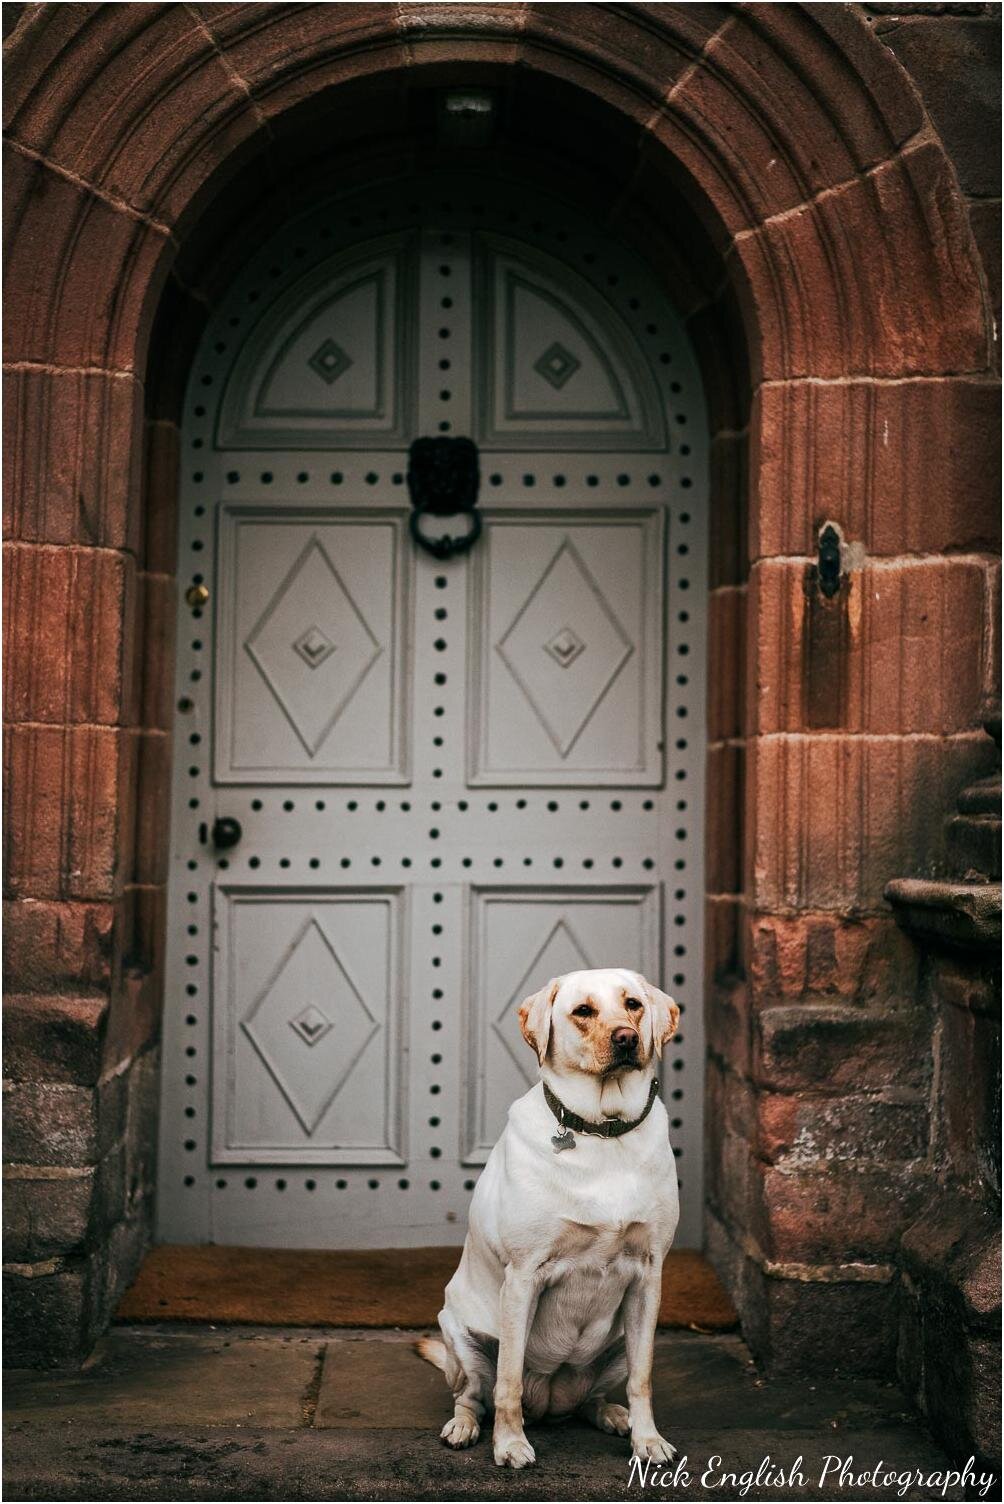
(517, 1303)
(641, 1312)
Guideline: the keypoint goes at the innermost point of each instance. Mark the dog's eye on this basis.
(632, 1003)
(582, 1011)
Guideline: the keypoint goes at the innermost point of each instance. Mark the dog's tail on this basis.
(432, 1351)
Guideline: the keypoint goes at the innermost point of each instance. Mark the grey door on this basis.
(452, 780)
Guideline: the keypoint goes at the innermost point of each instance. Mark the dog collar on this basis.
(570, 1123)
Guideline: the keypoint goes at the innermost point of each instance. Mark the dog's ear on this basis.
(535, 1017)
(665, 1015)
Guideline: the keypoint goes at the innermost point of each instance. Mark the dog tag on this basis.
(563, 1140)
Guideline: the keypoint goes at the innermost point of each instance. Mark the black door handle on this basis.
(226, 832)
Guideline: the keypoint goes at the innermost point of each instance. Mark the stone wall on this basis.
(824, 1087)
(843, 315)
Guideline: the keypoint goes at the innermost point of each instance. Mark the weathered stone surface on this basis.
(158, 605)
(161, 459)
(71, 458)
(54, 1037)
(47, 1215)
(985, 219)
(903, 467)
(69, 121)
(950, 1324)
(948, 913)
(720, 336)
(139, 1171)
(724, 924)
(974, 844)
(729, 488)
(728, 1025)
(966, 1111)
(814, 1216)
(48, 1313)
(831, 1048)
(219, 1378)
(380, 1384)
(918, 313)
(708, 1397)
(727, 627)
(955, 63)
(58, 1124)
(69, 630)
(822, 958)
(831, 818)
(832, 1327)
(68, 810)
(269, 59)
(833, 1133)
(724, 832)
(50, 946)
(102, 270)
(902, 655)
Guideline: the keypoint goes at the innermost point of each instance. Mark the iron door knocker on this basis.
(443, 480)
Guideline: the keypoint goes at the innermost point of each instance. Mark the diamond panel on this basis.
(547, 657)
(329, 361)
(557, 365)
(279, 1024)
(312, 681)
(313, 647)
(311, 1024)
(565, 647)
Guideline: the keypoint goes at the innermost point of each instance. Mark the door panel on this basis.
(310, 685)
(452, 779)
(568, 649)
(553, 369)
(332, 365)
(310, 1001)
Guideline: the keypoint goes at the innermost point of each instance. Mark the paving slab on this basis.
(386, 1385)
(574, 1463)
(239, 1414)
(698, 1381)
(176, 1379)
(382, 1385)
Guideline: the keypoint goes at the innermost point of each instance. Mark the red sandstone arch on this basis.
(804, 152)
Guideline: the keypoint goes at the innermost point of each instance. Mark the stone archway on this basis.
(833, 239)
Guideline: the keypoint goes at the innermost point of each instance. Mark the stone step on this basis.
(982, 798)
(974, 845)
(964, 915)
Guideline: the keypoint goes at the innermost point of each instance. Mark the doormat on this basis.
(365, 1287)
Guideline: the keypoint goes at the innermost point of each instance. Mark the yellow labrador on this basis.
(557, 1293)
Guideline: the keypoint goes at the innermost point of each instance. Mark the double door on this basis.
(409, 790)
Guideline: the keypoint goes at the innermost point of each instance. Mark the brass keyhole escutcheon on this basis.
(197, 595)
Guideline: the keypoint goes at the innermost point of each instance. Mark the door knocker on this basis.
(443, 479)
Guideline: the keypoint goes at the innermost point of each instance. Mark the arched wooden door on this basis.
(451, 780)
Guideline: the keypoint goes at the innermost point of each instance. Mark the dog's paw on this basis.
(652, 1448)
(460, 1431)
(513, 1450)
(613, 1419)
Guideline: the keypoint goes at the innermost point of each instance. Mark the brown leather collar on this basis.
(612, 1128)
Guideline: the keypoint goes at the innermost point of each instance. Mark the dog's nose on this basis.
(625, 1039)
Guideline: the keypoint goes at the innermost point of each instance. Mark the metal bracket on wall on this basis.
(828, 561)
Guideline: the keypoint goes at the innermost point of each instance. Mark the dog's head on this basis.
(598, 1022)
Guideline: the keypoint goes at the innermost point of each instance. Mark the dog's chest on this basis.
(584, 1279)
(583, 1248)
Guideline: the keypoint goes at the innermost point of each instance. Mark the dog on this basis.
(557, 1293)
